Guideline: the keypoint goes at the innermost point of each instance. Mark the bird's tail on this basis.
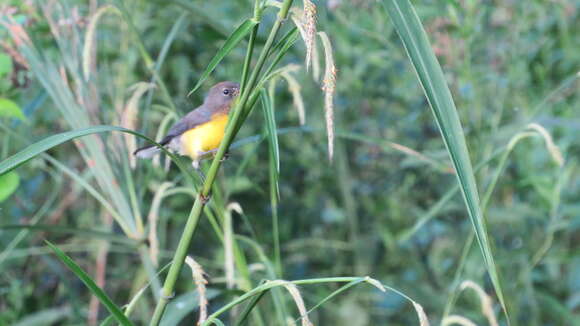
(152, 150)
(147, 151)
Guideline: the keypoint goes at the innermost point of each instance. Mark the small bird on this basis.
(200, 132)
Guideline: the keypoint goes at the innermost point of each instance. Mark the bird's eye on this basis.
(226, 91)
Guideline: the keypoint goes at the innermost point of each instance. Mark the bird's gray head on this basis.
(222, 94)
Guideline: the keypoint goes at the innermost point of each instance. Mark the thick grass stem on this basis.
(179, 258)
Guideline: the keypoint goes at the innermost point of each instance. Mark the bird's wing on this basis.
(191, 120)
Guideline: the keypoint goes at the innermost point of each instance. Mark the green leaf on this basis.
(249, 307)
(5, 65)
(8, 184)
(37, 148)
(230, 43)
(284, 45)
(432, 80)
(95, 289)
(10, 109)
(281, 48)
(271, 127)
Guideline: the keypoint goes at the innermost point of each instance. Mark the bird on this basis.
(200, 132)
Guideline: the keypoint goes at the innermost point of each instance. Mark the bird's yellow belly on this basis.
(204, 138)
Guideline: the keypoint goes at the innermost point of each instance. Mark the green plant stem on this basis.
(275, 224)
(246, 69)
(184, 241)
(248, 59)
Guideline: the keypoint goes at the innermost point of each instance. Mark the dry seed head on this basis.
(375, 283)
(459, 320)
(315, 62)
(235, 207)
(486, 303)
(295, 90)
(90, 37)
(552, 148)
(163, 127)
(200, 282)
(329, 87)
(309, 21)
(297, 17)
(293, 290)
(423, 321)
(152, 219)
(129, 118)
(305, 21)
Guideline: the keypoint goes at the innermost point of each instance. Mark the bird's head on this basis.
(222, 94)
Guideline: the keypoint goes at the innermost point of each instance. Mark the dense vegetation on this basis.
(387, 205)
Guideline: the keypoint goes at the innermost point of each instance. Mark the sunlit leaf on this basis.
(5, 64)
(8, 184)
(10, 109)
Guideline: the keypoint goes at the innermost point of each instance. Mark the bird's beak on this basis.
(236, 92)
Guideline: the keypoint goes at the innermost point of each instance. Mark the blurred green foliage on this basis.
(507, 63)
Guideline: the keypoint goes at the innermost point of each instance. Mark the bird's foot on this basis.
(225, 157)
(204, 199)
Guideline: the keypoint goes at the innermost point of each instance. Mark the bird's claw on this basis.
(225, 157)
(204, 199)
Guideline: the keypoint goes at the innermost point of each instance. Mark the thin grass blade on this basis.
(432, 80)
(228, 46)
(38, 148)
(42, 146)
(93, 287)
(271, 127)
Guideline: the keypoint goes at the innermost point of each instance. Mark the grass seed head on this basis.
(423, 320)
(309, 21)
(329, 88)
(552, 148)
(200, 282)
(459, 320)
(293, 290)
(486, 302)
(298, 101)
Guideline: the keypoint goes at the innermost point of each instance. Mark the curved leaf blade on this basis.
(10, 109)
(93, 287)
(38, 148)
(228, 46)
(433, 82)
(35, 149)
(8, 184)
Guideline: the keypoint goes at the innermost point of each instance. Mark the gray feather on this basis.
(147, 152)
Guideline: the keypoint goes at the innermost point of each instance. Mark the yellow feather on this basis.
(204, 138)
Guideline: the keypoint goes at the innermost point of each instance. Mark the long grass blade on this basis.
(432, 80)
(93, 287)
(38, 148)
(8, 184)
(42, 146)
(268, 109)
(228, 46)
